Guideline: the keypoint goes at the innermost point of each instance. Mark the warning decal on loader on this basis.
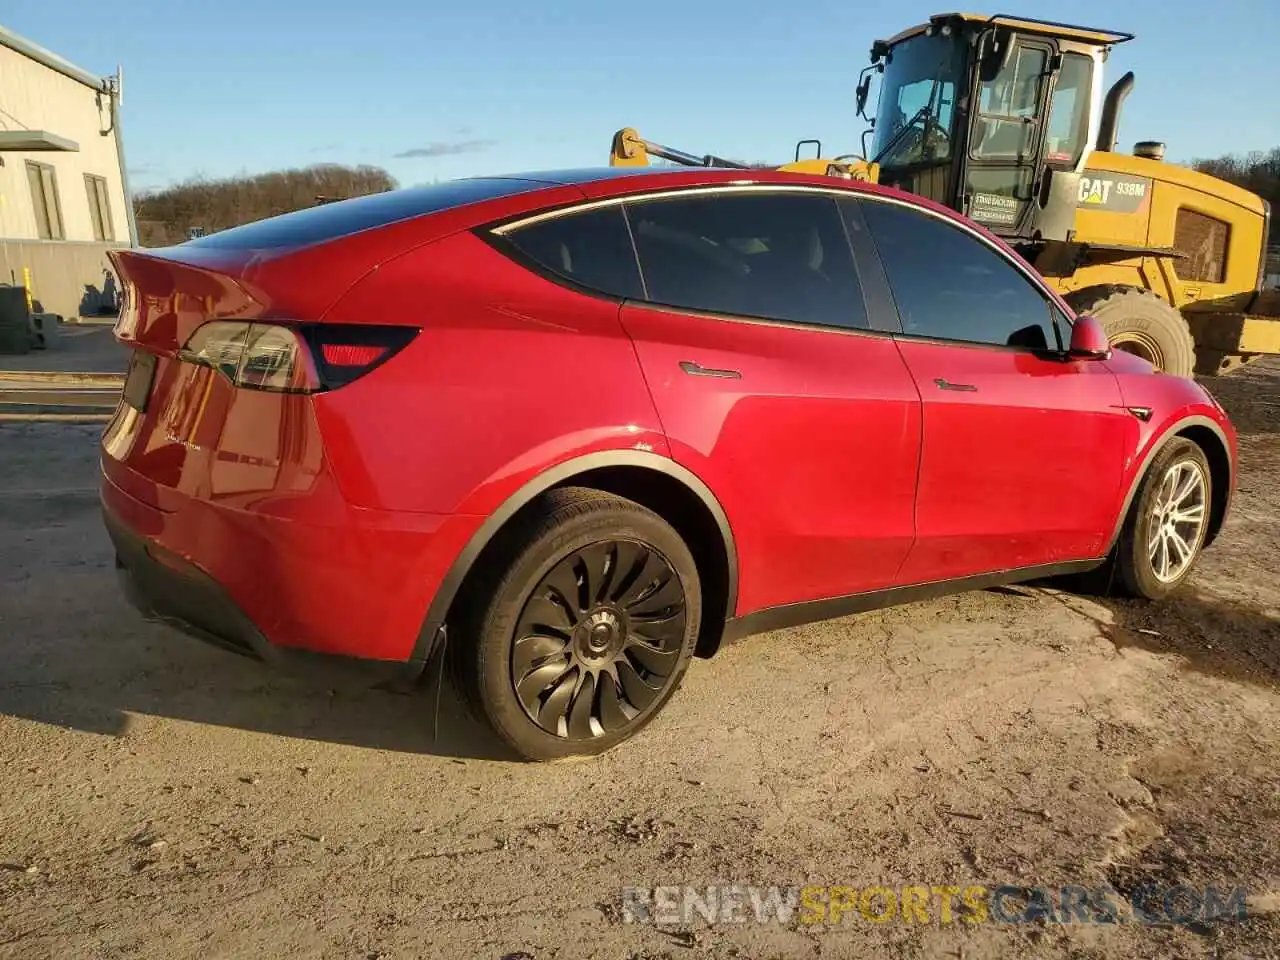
(995, 209)
(1113, 192)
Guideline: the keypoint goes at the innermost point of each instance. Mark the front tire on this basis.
(1167, 522)
(587, 630)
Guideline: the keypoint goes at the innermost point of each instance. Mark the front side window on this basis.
(591, 248)
(1069, 111)
(780, 256)
(917, 101)
(1007, 106)
(949, 285)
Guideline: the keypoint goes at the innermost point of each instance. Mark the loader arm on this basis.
(632, 150)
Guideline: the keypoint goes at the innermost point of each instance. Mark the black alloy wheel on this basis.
(580, 625)
(599, 640)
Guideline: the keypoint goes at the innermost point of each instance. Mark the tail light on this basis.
(293, 359)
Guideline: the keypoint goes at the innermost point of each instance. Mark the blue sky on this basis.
(434, 89)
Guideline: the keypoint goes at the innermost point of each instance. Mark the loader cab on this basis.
(991, 116)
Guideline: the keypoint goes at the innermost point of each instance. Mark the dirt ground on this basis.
(163, 799)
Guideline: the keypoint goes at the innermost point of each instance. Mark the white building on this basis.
(64, 196)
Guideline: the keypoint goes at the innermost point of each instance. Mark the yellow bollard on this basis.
(26, 284)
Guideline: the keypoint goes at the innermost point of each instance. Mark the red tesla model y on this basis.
(576, 428)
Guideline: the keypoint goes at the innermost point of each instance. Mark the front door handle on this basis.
(948, 385)
(698, 370)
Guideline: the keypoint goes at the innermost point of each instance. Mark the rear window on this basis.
(333, 220)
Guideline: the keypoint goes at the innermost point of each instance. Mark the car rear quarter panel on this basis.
(234, 481)
(510, 375)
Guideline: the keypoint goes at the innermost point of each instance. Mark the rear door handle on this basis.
(948, 385)
(698, 370)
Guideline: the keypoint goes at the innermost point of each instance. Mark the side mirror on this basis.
(1088, 340)
(864, 88)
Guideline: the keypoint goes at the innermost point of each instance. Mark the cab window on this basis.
(1068, 130)
(1007, 106)
(917, 102)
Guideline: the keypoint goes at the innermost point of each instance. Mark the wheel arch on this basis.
(1210, 437)
(672, 491)
(1214, 444)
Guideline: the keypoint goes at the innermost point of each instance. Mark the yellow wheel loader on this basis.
(1004, 119)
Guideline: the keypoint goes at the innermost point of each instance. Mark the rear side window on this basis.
(592, 248)
(781, 256)
(950, 285)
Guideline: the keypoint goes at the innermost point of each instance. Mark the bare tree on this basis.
(166, 216)
(1258, 172)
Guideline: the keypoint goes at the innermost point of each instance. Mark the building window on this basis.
(99, 207)
(44, 198)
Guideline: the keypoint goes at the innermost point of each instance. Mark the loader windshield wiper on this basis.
(902, 132)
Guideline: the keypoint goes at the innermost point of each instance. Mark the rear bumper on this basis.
(164, 587)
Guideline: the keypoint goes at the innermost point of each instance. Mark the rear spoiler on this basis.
(164, 299)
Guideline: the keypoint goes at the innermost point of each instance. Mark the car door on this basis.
(1022, 449)
(773, 387)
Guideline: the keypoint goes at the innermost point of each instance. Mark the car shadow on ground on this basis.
(1249, 396)
(153, 673)
(1212, 635)
(113, 667)
(77, 656)
(98, 683)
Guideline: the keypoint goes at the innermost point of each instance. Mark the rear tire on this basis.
(1138, 321)
(1165, 530)
(579, 634)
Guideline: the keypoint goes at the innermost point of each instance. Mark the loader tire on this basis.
(1138, 321)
